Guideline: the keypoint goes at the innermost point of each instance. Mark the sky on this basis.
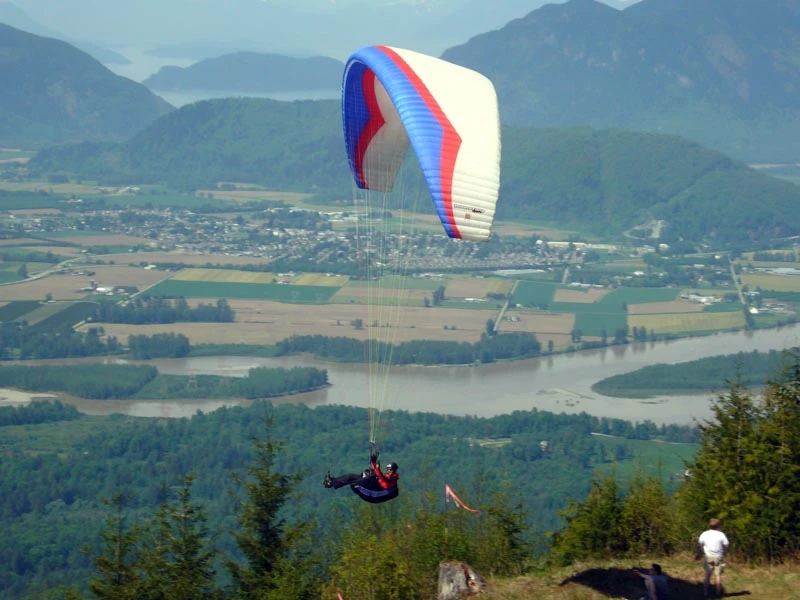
(203, 28)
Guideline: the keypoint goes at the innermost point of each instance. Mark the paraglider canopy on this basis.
(392, 98)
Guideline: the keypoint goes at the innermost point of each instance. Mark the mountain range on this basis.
(293, 27)
(19, 19)
(251, 72)
(723, 72)
(54, 93)
(706, 68)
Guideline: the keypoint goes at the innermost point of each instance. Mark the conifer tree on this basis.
(117, 561)
(747, 471)
(775, 496)
(377, 566)
(721, 478)
(593, 527)
(646, 520)
(503, 548)
(177, 562)
(277, 562)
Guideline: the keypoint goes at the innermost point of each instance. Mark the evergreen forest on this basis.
(230, 504)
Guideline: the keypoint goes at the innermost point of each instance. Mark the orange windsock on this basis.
(450, 494)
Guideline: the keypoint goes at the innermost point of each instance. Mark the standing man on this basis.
(712, 545)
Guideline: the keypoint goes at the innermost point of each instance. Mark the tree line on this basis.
(152, 309)
(745, 473)
(19, 341)
(117, 382)
(751, 369)
(420, 352)
(37, 411)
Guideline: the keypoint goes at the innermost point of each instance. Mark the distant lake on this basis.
(178, 99)
(143, 65)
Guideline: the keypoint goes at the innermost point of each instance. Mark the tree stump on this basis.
(458, 580)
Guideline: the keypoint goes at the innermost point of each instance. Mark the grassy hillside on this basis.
(284, 145)
(601, 181)
(610, 180)
(613, 579)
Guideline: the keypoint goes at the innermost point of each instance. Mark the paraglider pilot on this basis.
(373, 485)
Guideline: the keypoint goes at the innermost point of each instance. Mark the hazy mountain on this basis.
(52, 92)
(19, 19)
(723, 72)
(295, 27)
(251, 72)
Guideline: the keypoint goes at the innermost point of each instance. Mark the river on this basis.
(560, 383)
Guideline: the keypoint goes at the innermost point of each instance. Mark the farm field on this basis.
(19, 242)
(67, 287)
(477, 287)
(265, 322)
(65, 251)
(45, 311)
(534, 293)
(14, 310)
(688, 322)
(580, 295)
(250, 195)
(137, 258)
(272, 306)
(636, 295)
(777, 283)
(362, 296)
(538, 322)
(50, 188)
(99, 239)
(232, 276)
(301, 294)
(222, 276)
(673, 306)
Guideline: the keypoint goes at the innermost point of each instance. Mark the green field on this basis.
(724, 307)
(53, 315)
(793, 297)
(597, 323)
(397, 282)
(9, 276)
(652, 458)
(295, 294)
(14, 310)
(534, 293)
(636, 295)
(44, 311)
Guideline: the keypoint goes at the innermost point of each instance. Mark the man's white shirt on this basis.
(714, 543)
